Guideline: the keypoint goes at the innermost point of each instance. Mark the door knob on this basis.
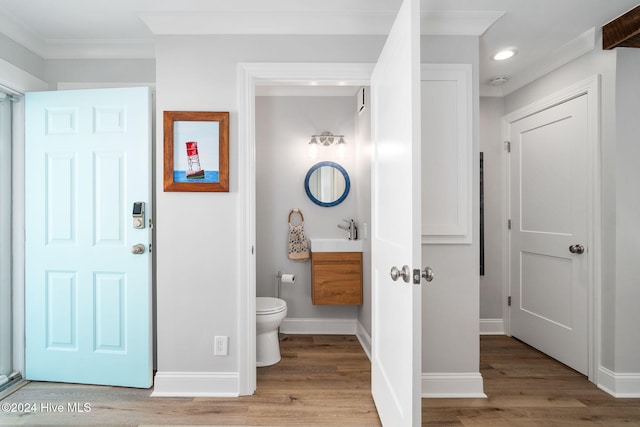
(137, 249)
(427, 274)
(405, 273)
(576, 249)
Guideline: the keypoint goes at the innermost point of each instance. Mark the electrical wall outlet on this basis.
(221, 346)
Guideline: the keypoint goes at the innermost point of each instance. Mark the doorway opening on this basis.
(286, 118)
(252, 76)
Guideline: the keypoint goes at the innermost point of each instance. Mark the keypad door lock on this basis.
(138, 215)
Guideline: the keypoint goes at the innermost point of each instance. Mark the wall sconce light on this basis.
(327, 139)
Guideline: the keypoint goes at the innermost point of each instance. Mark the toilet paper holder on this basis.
(286, 278)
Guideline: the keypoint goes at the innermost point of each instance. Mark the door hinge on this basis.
(509, 224)
(508, 145)
(509, 301)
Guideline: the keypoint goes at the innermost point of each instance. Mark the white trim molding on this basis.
(491, 326)
(196, 384)
(18, 81)
(318, 326)
(447, 154)
(306, 21)
(365, 339)
(452, 385)
(625, 385)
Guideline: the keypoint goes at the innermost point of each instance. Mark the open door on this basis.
(396, 217)
(88, 261)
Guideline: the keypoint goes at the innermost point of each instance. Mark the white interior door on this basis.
(549, 213)
(88, 295)
(396, 217)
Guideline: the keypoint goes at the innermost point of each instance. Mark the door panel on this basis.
(88, 297)
(396, 218)
(549, 284)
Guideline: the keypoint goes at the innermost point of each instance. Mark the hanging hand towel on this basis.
(298, 245)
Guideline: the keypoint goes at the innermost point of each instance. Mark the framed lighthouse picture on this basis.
(196, 151)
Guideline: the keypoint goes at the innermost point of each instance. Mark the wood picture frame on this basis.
(196, 151)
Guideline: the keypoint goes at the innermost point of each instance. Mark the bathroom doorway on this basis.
(286, 118)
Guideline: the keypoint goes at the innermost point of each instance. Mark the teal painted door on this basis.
(88, 297)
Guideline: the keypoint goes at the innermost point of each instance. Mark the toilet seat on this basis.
(269, 305)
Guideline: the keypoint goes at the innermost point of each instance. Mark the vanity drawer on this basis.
(336, 278)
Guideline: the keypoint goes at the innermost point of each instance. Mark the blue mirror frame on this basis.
(347, 184)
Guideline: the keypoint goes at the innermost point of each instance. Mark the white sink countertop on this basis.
(336, 245)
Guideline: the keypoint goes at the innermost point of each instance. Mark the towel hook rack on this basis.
(298, 211)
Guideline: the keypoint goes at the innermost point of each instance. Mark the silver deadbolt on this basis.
(137, 249)
(405, 273)
(576, 249)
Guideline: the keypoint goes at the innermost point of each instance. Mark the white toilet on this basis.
(270, 312)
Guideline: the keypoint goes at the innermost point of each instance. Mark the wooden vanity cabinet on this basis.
(336, 278)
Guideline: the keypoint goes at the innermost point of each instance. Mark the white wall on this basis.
(627, 176)
(491, 286)
(21, 57)
(450, 307)
(141, 71)
(198, 291)
(284, 126)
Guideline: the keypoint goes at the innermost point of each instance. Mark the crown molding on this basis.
(76, 48)
(269, 22)
(100, 49)
(458, 23)
(363, 22)
(18, 33)
(360, 22)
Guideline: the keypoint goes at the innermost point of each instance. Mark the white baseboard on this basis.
(196, 384)
(452, 385)
(365, 339)
(318, 326)
(491, 327)
(619, 385)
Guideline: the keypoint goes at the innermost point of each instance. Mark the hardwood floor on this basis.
(527, 388)
(322, 379)
(325, 380)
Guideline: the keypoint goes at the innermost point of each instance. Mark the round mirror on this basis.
(327, 184)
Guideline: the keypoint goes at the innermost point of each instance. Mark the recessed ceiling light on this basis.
(504, 54)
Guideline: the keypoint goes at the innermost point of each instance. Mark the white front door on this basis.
(88, 296)
(549, 215)
(396, 218)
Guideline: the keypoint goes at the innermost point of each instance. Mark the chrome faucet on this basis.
(351, 228)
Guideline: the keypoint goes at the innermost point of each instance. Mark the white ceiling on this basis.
(546, 33)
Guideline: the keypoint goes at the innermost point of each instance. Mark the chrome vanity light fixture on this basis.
(327, 139)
